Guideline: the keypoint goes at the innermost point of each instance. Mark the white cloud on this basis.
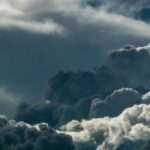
(108, 133)
(15, 14)
(46, 27)
(116, 22)
(146, 98)
(24, 14)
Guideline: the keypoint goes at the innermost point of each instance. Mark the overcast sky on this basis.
(39, 38)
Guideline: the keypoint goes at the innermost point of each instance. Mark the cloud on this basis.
(40, 112)
(13, 16)
(131, 60)
(23, 136)
(114, 103)
(107, 91)
(80, 10)
(46, 27)
(146, 98)
(130, 127)
(55, 114)
(69, 87)
(76, 51)
(126, 67)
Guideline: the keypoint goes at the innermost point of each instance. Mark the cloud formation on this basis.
(23, 15)
(119, 84)
(114, 103)
(14, 14)
(23, 136)
(131, 128)
(126, 67)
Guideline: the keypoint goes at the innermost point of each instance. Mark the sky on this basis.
(74, 74)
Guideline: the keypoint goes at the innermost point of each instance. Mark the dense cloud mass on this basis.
(114, 103)
(130, 130)
(22, 136)
(107, 91)
(126, 67)
(105, 109)
(39, 38)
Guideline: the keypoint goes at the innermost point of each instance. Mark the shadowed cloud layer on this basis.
(22, 136)
(107, 91)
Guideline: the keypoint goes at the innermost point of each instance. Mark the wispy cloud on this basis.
(22, 15)
(46, 27)
(14, 14)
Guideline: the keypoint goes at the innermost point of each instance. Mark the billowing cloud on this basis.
(132, 63)
(69, 87)
(41, 56)
(41, 112)
(22, 136)
(57, 114)
(114, 103)
(107, 91)
(131, 128)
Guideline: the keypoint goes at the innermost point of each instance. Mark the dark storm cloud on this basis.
(109, 93)
(126, 67)
(105, 92)
(70, 86)
(114, 103)
(54, 114)
(131, 63)
(22, 136)
(41, 112)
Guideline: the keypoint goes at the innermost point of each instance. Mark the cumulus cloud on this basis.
(40, 112)
(83, 95)
(129, 128)
(55, 114)
(126, 67)
(23, 136)
(114, 103)
(69, 87)
(106, 92)
(132, 63)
